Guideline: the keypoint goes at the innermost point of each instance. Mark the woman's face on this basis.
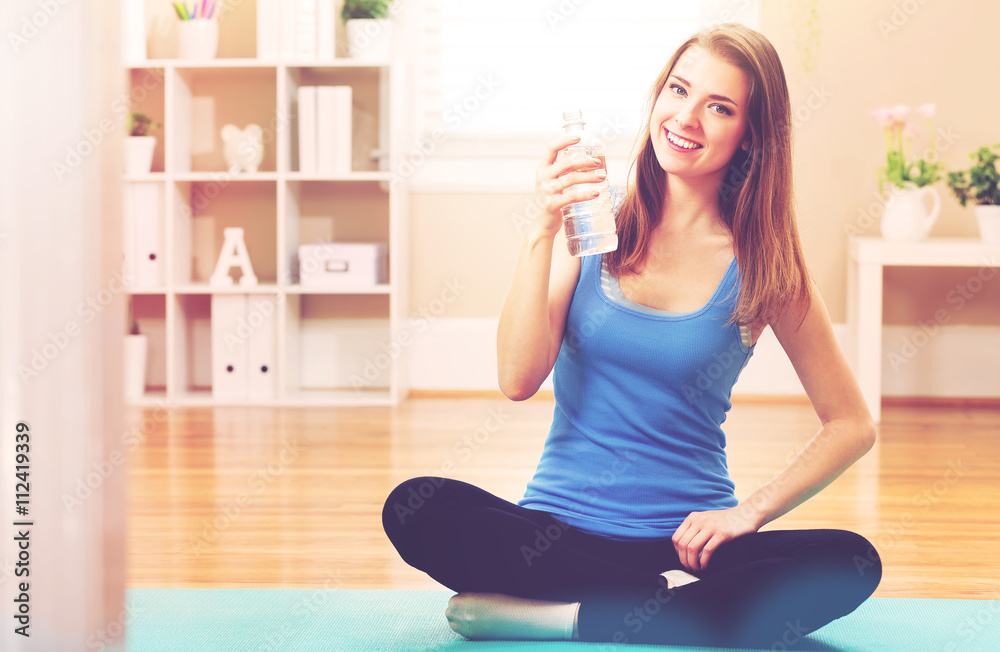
(702, 108)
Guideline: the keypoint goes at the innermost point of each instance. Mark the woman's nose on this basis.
(685, 118)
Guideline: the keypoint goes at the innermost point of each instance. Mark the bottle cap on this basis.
(572, 117)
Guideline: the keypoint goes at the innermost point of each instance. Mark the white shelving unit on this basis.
(332, 347)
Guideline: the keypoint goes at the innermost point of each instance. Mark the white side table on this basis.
(867, 255)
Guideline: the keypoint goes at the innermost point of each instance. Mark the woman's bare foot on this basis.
(501, 616)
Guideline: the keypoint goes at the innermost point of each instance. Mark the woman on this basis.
(629, 530)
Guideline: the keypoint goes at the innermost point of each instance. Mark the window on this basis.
(493, 79)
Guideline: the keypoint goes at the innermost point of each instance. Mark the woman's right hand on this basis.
(554, 175)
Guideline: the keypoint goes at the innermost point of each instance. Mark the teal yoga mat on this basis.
(265, 620)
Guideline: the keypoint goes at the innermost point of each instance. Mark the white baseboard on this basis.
(956, 361)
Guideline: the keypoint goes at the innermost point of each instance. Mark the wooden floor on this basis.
(261, 497)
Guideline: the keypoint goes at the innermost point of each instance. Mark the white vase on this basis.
(369, 39)
(906, 217)
(139, 154)
(135, 366)
(988, 217)
(198, 38)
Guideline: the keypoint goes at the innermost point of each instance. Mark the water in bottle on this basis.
(590, 225)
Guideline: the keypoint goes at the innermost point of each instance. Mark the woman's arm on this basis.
(847, 433)
(848, 430)
(534, 312)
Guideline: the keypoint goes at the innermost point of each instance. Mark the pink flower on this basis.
(899, 113)
(911, 130)
(926, 110)
(883, 117)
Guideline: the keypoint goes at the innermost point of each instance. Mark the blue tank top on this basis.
(636, 442)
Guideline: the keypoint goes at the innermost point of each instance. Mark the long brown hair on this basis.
(755, 198)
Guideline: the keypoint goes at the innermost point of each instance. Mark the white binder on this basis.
(260, 318)
(289, 10)
(268, 24)
(333, 129)
(142, 214)
(307, 129)
(229, 346)
(326, 23)
(305, 31)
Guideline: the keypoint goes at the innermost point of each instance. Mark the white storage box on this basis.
(340, 264)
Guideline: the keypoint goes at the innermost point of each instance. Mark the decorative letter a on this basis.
(234, 253)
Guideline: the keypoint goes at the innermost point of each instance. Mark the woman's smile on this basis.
(681, 144)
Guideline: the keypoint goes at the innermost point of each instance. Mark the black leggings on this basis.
(765, 589)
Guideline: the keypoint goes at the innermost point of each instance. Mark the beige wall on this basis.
(941, 52)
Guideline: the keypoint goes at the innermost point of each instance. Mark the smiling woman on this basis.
(660, 550)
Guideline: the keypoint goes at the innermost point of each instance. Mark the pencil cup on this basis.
(197, 39)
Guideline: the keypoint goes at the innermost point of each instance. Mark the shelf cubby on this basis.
(202, 100)
(150, 313)
(146, 96)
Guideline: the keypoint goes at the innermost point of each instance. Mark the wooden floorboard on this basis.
(292, 497)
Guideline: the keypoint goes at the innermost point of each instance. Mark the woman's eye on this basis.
(679, 90)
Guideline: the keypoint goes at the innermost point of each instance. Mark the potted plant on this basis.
(980, 184)
(369, 30)
(139, 145)
(135, 356)
(906, 217)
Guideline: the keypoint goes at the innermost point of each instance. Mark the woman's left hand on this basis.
(702, 532)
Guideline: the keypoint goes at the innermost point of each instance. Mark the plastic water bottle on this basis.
(590, 225)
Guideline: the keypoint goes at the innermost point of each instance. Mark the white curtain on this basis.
(61, 324)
